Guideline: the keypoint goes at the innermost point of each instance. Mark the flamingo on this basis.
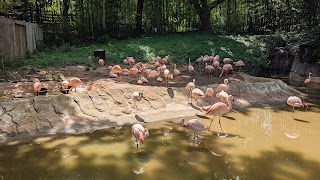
(139, 133)
(159, 79)
(216, 66)
(197, 94)
(143, 79)
(226, 68)
(295, 101)
(199, 60)
(216, 58)
(152, 74)
(190, 86)
(224, 86)
(239, 64)
(133, 71)
(125, 61)
(74, 82)
(176, 71)
(190, 67)
(136, 96)
(116, 69)
(223, 96)
(131, 60)
(219, 108)
(139, 82)
(209, 68)
(307, 81)
(101, 62)
(209, 92)
(193, 124)
(227, 60)
(167, 75)
(36, 86)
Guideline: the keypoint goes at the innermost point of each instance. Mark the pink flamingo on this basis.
(133, 71)
(167, 75)
(176, 71)
(74, 82)
(307, 81)
(139, 133)
(125, 61)
(139, 82)
(295, 101)
(190, 67)
(223, 96)
(224, 86)
(239, 64)
(226, 68)
(101, 62)
(116, 69)
(190, 86)
(227, 60)
(36, 86)
(143, 79)
(209, 92)
(193, 124)
(197, 94)
(219, 108)
(216, 58)
(152, 74)
(199, 61)
(209, 68)
(131, 60)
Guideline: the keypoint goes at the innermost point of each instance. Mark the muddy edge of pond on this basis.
(108, 104)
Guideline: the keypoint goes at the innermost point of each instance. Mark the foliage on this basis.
(180, 47)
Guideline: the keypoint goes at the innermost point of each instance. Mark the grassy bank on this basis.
(180, 47)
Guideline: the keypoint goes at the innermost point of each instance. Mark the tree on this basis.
(139, 17)
(203, 9)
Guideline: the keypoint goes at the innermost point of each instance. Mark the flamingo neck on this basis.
(229, 103)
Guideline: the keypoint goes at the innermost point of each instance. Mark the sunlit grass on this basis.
(180, 47)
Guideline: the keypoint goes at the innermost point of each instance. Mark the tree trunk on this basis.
(104, 16)
(204, 12)
(139, 17)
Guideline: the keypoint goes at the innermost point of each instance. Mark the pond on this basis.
(252, 143)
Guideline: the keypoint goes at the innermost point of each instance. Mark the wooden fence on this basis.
(18, 37)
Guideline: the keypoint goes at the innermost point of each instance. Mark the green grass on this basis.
(180, 47)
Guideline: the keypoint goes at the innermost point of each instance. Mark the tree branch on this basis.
(215, 3)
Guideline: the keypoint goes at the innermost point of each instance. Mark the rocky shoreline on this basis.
(107, 104)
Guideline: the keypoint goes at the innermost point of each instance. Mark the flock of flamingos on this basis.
(211, 66)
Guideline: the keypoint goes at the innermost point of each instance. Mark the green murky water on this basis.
(256, 143)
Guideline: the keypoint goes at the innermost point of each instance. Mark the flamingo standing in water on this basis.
(139, 133)
(219, 108)
(295, 101)
(193, 124)
(190, 86)
(307, 81)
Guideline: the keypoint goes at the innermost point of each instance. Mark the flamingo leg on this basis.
(211, 121)
(194, 135)
(292, 111)
(220, 124)
(137, 145)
